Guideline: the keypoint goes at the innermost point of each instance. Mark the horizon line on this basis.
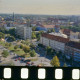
(43, 14)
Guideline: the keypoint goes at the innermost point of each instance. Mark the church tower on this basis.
(13, 16)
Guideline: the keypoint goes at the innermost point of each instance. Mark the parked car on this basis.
(32, 63)
(19, 58)
(15, 59)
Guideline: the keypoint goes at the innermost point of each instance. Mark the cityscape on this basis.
(45, 40)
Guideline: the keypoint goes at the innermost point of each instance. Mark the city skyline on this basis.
(50, 7)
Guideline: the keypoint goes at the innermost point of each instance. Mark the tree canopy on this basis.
(5, 53)
(55, 62)
(32, 53)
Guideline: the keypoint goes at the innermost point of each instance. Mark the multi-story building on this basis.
(55, 42)
(73, 49)
(74, 35)
(24, 31)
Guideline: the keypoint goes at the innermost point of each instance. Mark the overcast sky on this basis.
(57, 7)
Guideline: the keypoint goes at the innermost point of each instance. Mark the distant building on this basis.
(44, 27)
(23, 31)
(57, 28)
(65, 31)
(74, 35)
(55, 42)
(59, 34)
(73, 49)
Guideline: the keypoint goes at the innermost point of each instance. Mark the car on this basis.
(38, 65)
(32, 63)
(19, 58)
(28, 63)
(15, 59)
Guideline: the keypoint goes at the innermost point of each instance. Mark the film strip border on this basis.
(39, 73)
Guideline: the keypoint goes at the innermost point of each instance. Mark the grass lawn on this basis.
(34, 59)
(19, 52)
(27, 55)
(2, 43)
(11, 47)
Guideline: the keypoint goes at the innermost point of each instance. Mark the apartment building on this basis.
(24, 31)
(56, 42)
(73, 49)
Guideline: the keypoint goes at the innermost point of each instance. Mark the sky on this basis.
(50, 7)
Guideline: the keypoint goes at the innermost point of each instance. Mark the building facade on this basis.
(24, 32)
(73, 49)
(55, 42)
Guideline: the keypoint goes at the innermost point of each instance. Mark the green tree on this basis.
(32, 46)
(49, 50)
(11, 38)
(32, 53)
(33, 28)
(2, 35)
(55, 62)
(21, 46)
(6, 44)
(26, 49)
(10, 44)
(38, 35)
(15, 47)
(5, 53)
(33, 35)
(65, 65)
(12, 31)
(27, 42)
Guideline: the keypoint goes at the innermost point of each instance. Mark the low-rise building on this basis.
(44, 27)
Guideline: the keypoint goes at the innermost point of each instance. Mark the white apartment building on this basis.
(55, 42)
(24, 31)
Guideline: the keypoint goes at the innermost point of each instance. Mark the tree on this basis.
(6, 44)
(11, 38)
(33, 28)
(49, 50)
(27, 42)
(26, 49)
(10, 44)
(5, 53)
(21, 46)
(32, 46)
(38, 35)
(65, 65)
(15, 47)
(55, 62)
(33, 35)
(32, 53)
(2, 35)
(12, 31)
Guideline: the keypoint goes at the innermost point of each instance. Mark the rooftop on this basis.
(73, 44)
(56, 38)
(59, 34)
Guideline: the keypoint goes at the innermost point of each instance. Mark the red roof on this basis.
(48, 26)
(56, 38)
(66, 31)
